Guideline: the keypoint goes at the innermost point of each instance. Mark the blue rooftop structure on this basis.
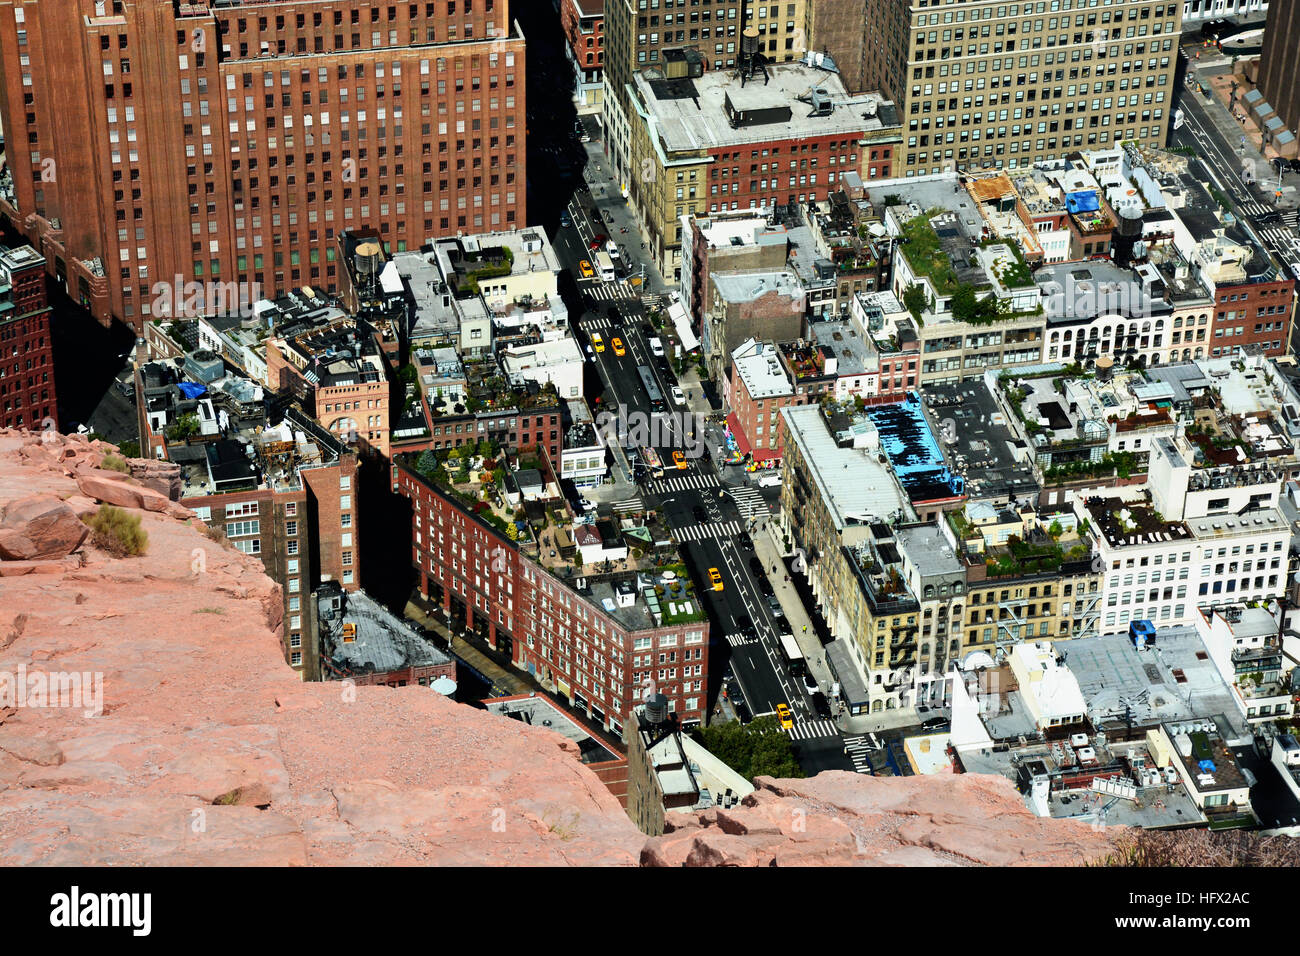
(1083, 201)
(913, 451)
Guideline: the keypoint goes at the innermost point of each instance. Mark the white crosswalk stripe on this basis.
(597, 323)
(1252, 209)
(698, 532)
(628, 505)
(611, 291)
(1292, 218)
(857, 748)
(749, 501)
(1278, 237)
(812, 729)
(683, 483)
(740, 640)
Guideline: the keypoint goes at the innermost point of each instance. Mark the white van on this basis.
(656, 347)
(770, 480)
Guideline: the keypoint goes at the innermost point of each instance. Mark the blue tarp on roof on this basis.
(1084, 201)
(193, 389)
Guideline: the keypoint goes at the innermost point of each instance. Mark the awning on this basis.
(765, 454)
(742, 440)
(682, 323)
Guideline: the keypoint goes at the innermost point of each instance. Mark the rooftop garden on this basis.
(1015, 275)
(1122, 464)
(925, 253)
(495, 263)
(1022, 557)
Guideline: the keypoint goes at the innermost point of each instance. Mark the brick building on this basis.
(286, 493)
(583, 22)
(758, 389)
(229, 142)
(980, 87)
(1277, 61)
(597, 647)
(722, 143)
(27, 397)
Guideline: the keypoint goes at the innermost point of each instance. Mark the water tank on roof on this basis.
(656, 709)
(369, 261)
(749, 42)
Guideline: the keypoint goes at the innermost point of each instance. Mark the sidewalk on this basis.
(1234, 122)
(505, 681)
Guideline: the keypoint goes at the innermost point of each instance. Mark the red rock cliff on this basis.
(208, 750)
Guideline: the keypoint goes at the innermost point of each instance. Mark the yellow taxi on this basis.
(715, 579)
(679, 460)
(597, 341)
(585, 268)
(784, 716)
(618, 346)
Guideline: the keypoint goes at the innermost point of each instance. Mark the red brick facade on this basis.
(480, 577)
(1257, 313)
(231, 143)
(27, 397)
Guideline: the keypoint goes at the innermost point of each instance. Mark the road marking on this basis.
(699, 532)
(683, 483)
(813, 729)
(749, 501)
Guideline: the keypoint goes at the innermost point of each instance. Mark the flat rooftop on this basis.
(748, 286)
(855, 486)
(928, 549)
(380, 642)
(1170, 681)
(913, 451)
(984, 452)
(763, 374)
(691, 114)
(538, 711)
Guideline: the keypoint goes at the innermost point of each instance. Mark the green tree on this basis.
(1055, 529)
(760, 748)
(427, 463)
(186, 427)
(915, 300)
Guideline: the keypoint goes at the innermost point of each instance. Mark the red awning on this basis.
(738, 433)
(766, 454)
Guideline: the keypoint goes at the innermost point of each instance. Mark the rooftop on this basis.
(360, 636)
(759, 367)
(717, 110)
(983, 446)
(913, 451)
(538, 711)
(856, 487)
(748, 286)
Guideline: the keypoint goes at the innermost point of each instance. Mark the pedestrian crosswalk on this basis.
(611, 291)
(1292, 218)
(857, 749)
(1251, 209)
(1281, 239)
(628, 505)
(708, 529)
(749, 501)
(812, 729)
(683, 483)
(740, 640)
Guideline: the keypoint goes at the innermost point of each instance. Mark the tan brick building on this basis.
(990, 84)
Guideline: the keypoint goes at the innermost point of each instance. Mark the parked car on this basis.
(745, 543)
(656, 346)
(934, 723)
(810, 683)
(783, 626)
(756, 567)
(765, 586)
(678, 395)
(775, 606)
